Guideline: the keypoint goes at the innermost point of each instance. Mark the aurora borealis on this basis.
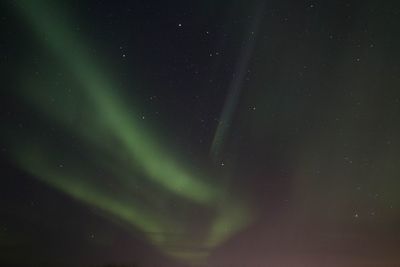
(132, 145)
(217, 133)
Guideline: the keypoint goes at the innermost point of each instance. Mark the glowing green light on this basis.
(133, 152)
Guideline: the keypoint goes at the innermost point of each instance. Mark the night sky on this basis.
(200, 133)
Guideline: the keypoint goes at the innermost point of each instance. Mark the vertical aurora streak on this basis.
(236, 84)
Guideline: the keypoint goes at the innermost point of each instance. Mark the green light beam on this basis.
(109, 121)
(235, 88)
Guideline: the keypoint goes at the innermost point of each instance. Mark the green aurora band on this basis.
(115, 138)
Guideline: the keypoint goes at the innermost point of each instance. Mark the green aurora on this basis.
(112, 135)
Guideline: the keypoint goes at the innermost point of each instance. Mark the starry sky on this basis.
(200, 133)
